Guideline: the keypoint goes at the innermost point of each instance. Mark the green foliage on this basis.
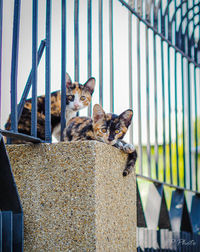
(161, 163)
(197, 126)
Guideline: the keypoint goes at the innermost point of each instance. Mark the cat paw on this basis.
(120, 146)
(128, 148)
(125, 173)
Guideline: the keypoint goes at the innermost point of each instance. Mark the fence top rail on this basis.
(167, 184)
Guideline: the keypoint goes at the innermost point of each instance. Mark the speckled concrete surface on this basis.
(74, 197)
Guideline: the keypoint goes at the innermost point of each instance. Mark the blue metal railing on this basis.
(100, 52)
(63, 69)
(14, 67)
(48, 73)
(172, 30)
(34, 69)
(89, 48)
(168, 29)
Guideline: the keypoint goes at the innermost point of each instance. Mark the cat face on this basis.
(108, 128)
(78, 95)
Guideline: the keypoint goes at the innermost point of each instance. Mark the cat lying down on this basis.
(108, 128)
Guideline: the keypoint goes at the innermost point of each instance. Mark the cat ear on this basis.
(68, 80)
(90, 84)
(126, 116)
(98, 113)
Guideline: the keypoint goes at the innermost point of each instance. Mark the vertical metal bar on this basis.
(193, 34)
(176, 107)
(18, 232)
(198, 51)
(34, 68)
(29, 81)
(196, 118)
(14, 64)
(162, 18)
(135, 5)
(189, 106)
(130, 58)
(76, 39)
(48, 74)
(169, 111)
(111, 56)
(163, 97)
(189, 126)
(152, 13)
(148, 102)
(169, 100)
(89, 33)
(155, 96)
(7, 231)
(1, 23)
(0, 231)
(139, 99)
(196, 131)
(176, 119)
(100, 52)
(183, 103)
(63, 69)
(183, 120)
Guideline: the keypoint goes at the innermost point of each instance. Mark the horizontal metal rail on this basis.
(20, 136)
(166, 184)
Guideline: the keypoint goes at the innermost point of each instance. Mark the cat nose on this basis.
(76, 106)
(111, 138)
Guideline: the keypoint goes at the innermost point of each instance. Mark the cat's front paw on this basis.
(119, 145)
(128, 148)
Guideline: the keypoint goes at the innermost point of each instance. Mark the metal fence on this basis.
(163, 76)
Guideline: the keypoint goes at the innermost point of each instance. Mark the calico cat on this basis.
(107, 128)
(78, 96)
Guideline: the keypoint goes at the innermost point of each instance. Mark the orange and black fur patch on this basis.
(80, 128)
(107, 128)
(24, 124)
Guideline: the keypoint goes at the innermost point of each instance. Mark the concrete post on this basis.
(74, 197)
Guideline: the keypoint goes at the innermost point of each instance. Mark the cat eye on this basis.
(103, 130)
(116, 131)
(82, 98)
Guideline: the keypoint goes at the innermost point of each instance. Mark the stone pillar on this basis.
(74, 197)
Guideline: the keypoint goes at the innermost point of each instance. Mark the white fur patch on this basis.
(56, 132)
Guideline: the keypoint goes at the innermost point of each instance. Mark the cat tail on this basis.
(132, 157)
